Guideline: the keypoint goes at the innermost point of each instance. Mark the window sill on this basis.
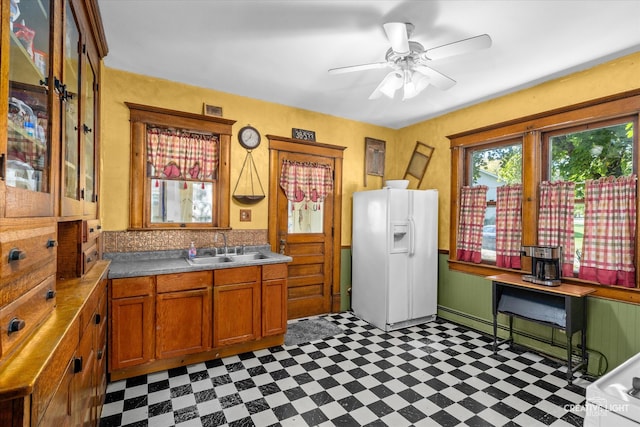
(629, 295)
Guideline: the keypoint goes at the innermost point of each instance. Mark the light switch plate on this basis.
(245, 215)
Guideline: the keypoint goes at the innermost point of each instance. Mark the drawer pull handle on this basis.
(100, 353)
(16, 325)
(91, 230)
(98, 318)
(16, 254)
(77, 365)
(99, 227)
(51, 294)
(51, 243)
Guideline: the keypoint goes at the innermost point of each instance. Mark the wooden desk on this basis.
(561, 307)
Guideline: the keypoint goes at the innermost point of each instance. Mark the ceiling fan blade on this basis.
(398, 37)
(352, 68)
(456, 48)
(436, 78)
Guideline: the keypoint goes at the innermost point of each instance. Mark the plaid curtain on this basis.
(609, 231)
(473, 205)
(555, 220)
(509, 225)
(310, 181)
(181, 154)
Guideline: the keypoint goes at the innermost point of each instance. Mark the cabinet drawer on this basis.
(25, 314)
(91, 229)
(89, 258)
(54, 372)
(274, 271)
(131, 287)
(237, 275)
(183, 281)
(30, 245)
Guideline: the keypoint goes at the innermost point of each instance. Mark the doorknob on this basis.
(283, 243)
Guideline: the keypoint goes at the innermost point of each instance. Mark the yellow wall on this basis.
(613, 77)
(117, 87)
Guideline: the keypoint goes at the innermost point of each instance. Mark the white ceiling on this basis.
(280, 51)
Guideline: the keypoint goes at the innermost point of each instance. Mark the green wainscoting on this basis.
(466, 299)
(611, 325)
(345, 279)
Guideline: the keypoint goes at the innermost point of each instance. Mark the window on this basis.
(494, 166)
(577, 143)
(589, 152)
(179, 169)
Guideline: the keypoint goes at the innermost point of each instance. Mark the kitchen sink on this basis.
(247, 257)
(208, 260)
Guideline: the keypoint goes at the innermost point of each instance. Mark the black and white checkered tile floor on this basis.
(438, 374)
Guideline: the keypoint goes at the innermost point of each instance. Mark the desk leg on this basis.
(583, 333)
(569, 365)
(510, 331)
(495, 333)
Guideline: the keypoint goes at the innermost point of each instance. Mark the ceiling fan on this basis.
(408, 61)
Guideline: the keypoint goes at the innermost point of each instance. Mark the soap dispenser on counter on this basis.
(192, 251)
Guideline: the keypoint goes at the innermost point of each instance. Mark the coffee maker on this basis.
(545, 264)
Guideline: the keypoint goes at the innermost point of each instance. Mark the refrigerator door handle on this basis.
(412, 237)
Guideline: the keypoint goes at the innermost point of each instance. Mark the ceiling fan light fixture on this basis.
(414, 83)
(391, 82)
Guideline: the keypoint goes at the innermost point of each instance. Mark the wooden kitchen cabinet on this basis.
(197, 316)
(274, 299)
(236, 305)
(49, 136)
(55, 378)
(132, 321)
(183, 313)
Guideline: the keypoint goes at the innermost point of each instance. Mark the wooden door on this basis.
(236, 305)
(131, 322)
(183, 322)
(307, 230)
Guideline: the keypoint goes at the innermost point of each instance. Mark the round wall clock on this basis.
(249, 137)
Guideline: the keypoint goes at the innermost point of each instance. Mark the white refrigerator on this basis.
(394, 261)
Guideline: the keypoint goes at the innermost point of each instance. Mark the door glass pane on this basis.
(305, 217)
(88, 131)
(28, 144)
(71, 79)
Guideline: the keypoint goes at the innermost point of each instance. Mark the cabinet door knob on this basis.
(51, 243)
(100, 353)
(16, 254)
(50, 294)
(98, 318)
(16, 324)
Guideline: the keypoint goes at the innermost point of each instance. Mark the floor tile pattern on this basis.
(437, 374)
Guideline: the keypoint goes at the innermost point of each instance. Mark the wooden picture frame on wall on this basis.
(374, 153)
(419, 162)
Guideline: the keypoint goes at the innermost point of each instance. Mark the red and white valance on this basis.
(306, 181)
(181, 154)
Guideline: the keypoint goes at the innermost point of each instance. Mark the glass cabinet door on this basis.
(88, 131)
(71, 113)
(28, 143)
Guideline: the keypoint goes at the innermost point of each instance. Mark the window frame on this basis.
(142, 116)
(531, 131)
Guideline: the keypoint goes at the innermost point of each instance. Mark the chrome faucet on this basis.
(224, 236)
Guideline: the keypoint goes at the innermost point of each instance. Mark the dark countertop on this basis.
(135, 264)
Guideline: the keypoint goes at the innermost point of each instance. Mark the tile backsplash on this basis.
(159, 240)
